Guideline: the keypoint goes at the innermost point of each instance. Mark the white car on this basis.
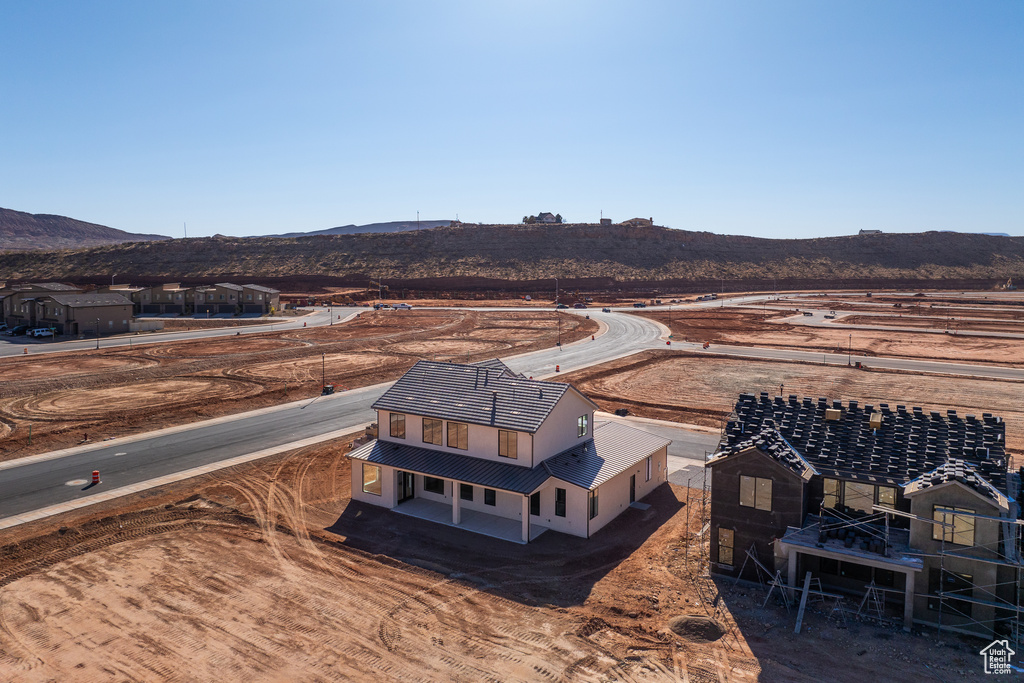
(403, 307)
(41, 332)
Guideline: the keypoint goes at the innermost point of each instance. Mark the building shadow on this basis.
(554, 569)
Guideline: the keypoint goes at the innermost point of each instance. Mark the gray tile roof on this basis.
(960, 471)
(770, 442)
(614, 449)
(497, 364)
(908, 444)
(82, 300)
(261, 288)
(464, 468)
(474, 394)
(229, 285)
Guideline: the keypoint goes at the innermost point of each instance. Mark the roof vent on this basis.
(832, 414)
(876, 421)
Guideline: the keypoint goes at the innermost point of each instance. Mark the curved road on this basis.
(38, 486)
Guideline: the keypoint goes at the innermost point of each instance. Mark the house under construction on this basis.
(911, 510)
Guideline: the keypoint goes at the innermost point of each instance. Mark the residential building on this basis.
(83, 313)
(259, 299)
(545, 217)
(916, 508)
(19, 300)
(219, 299)
(167, 299)
(639, 222)
(479, 447)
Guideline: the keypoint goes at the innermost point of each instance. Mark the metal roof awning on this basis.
(614, 449)
(462, 468)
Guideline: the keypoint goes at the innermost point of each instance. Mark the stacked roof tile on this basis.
(847, 443)
(960, 471)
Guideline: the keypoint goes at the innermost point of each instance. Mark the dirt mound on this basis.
(696, 627)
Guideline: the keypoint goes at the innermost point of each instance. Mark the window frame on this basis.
(731, 545)
(433, 428)
(962, 525)
(560, 502)
(371, 484)
(461, 430)
(429, 486)
(582, 426)
(490, 497)
(507, 438)
(466, 492)
(756, 490)
(592, 504)
(397, 419)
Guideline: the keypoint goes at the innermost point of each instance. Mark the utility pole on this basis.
(323, 370)
(331, 311)
(849, 352)
(97, 334)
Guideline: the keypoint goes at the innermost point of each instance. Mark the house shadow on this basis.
(554, 569)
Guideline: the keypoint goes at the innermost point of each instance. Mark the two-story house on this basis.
(80, 313)
(482, 448)
(223, 298)
(915, 508)
(257, 299)
(19, 301)
(167, 299)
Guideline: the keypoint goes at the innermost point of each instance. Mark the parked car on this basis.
(808, 313)
(606, 310)
(639, 304)
(382, 307)
(403, 307)
(15, 331)
(561, 306)
(579, 305)
(41, 332)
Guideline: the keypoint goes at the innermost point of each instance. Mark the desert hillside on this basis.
(532, 252)
(20, 230)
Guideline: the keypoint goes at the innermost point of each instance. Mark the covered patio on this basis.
(470, 520)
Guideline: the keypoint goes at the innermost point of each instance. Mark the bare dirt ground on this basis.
(208, 323)
(954, 324)
(115, 392)
(702, 388)
(750, 328)
(269, 571)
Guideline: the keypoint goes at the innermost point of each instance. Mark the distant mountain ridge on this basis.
(393, 226)
(613, 253)
(21, 231)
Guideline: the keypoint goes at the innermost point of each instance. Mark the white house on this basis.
(479, 447)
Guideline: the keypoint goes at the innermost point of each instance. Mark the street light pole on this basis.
(97, 334)
(331, 309)
(323, 370)
(849, 351)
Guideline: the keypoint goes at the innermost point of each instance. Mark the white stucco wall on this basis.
(613, 495)
(388, 488)
(558, 432)
(483, 440)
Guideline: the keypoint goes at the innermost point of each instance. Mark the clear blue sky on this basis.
(780, 119)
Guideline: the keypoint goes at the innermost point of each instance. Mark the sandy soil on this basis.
(115, 392)
(702, 389)
(742, 327)
(270, 572)
(956, 324)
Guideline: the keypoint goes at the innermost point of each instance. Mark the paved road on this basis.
(40, 481)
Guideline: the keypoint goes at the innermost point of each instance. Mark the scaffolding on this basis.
(1007, 552)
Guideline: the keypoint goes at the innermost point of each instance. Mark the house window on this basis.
(831, 499)
(887, 497)
(507, 444)
(371, 479)
(725, 542)
(248, 297)
(581, 426)
(593, 503)
(466, 492)
(535, 504)
(959, 529)
(648, 469)
(859, 497)
(559, 502)
(953, 585)
(489, 497)
(756, 492)
(458, 435)
(398, 425)
(431, 431)
(433, 485)
(222, 297)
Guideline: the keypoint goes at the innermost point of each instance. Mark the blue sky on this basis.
(775, 119)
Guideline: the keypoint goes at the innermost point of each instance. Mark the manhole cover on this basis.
(76, 482)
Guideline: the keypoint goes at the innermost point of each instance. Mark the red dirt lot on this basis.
(747, 328)
(703, 388)
(119, 391)
(268, 571)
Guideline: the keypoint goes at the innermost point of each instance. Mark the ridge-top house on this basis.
(914, 508)
(487, 450)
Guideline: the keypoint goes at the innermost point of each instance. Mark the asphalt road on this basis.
(41, 481)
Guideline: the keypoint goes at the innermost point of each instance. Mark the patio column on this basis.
(526, 519)
(908, 602)
(456, 504)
